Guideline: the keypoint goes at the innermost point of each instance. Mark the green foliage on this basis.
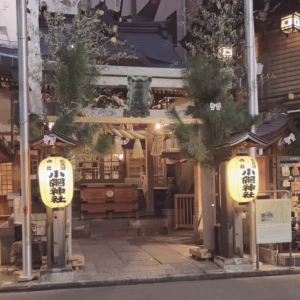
(104, 144)
(77, 47)
(65, 124)
(85, 134)
(36, 126)
(189, 139)
(74, 78)
(232, 118)
(218, 23)
(210, 81)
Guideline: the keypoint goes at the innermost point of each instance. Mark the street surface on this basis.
(264, 288)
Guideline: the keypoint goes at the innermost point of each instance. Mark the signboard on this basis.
(18, 212)
(8, 24)
(273, 221)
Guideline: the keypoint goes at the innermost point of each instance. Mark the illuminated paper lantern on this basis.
(290, 23)
(56, 182)
(243, 178)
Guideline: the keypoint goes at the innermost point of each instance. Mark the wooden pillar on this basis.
(208, 206)
(197, 218)
(149, 170)
(227, 215)
(204, 206)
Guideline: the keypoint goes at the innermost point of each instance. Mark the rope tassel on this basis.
(118, 150)
(137, 149)
(157, 146)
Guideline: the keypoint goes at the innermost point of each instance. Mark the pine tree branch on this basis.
(173, 114)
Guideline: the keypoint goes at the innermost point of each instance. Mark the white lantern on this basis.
(290, 23)
(56, 182)
(225, 53)
(243, 178)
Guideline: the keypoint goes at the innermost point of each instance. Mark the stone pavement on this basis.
(132, 260)
(138, 257)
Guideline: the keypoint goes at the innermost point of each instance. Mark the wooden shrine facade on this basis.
(111, 184)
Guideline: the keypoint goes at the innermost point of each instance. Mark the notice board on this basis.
(273, 221)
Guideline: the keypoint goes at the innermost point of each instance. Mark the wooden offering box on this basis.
(106, 198)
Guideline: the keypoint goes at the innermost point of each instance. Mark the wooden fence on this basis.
(184, 210)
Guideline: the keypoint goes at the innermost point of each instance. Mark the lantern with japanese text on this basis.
(56, 182)
(243, 178)
(290, 23)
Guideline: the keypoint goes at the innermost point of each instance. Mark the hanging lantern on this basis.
(225, 53)
(56, 182)
(290, 23)
(242, 178)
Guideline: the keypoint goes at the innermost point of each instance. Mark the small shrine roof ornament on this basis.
(52, 138)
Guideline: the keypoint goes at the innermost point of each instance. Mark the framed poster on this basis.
(273, 221)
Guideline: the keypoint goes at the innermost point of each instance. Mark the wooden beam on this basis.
(130, 120)
(149, 174)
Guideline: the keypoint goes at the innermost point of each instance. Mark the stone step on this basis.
(152, 231)
(149, 223)
(114, 233)
(139, 231)
(114, 224)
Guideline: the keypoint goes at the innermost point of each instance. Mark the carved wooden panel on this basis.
(101, 199)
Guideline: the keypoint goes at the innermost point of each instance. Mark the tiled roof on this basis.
(244, 137)
(274, 126)
(153, 46)
(265, 134)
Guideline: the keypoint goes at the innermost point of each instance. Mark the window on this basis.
(92, 167)
(88, 166)
(112, 167)
(6, 178)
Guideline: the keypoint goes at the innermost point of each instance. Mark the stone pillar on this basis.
(149, 173)
(69, 230)
(59, 224)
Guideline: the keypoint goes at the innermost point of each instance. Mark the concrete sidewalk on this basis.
(129, 260)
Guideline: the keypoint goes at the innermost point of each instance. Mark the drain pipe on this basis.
(184, 24)
(24, 139)
(133, 8)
